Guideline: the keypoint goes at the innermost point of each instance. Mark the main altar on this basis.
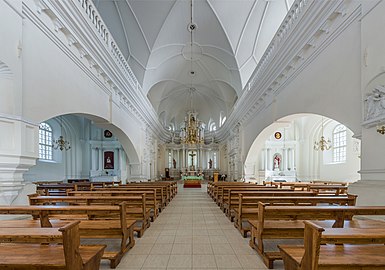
(192, 178)
(188, 156)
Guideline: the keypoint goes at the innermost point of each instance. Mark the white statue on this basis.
(375, 103)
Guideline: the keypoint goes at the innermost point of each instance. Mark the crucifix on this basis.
(192, 159)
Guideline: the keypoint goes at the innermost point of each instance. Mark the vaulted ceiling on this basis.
(229, 39)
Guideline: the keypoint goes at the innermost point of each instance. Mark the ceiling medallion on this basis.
(191, 27)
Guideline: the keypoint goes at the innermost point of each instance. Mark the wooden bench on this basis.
(62, 189)
(99, 222)
(320, 252)
(223, 191)
(248, 206)
(232, 201)
(285, 222)
(212, 188)
(24, 253)
(154, 196)
(329, 189)
(136, 206)
(132, 198)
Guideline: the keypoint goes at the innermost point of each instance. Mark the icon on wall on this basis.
(108, 160)
(107, 134)
(278, 135)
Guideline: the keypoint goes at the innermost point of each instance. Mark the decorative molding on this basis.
(83, 27)
(374, 107)
(373, 171)
(5, 71)
(309, 27)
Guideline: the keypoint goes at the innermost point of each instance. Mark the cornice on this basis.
(77, 29)
(309, 27)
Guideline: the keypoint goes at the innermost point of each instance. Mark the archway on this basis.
(92, 140)
(284, 151)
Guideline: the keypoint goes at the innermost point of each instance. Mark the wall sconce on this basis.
(381, 130)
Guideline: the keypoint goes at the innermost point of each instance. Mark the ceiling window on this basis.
(339, 144)
(45, 141)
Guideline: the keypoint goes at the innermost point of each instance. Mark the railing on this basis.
(90, 12)
(284, 29)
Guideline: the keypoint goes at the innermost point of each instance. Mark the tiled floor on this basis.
(191, 233)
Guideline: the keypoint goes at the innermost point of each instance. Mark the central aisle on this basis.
(192, 233)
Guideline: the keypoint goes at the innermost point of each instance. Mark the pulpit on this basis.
(216, 175)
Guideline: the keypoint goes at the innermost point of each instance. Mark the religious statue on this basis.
(375, 103)
(174, 163)
(277, 161)
(210, 164)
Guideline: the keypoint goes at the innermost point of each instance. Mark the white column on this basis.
(93, 159)
(285, 161)
(265, 159)
(293, 159)
(100, 159)
(268, 159)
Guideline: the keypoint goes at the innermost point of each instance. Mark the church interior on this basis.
(192, 134)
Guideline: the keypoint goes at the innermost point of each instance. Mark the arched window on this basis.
(45, 141)
(339, 144)
(215, 159)
(169, 159)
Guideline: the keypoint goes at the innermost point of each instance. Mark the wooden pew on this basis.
(223, 191)
(24, 253)
(314, 256)
(212, 189)
(232, 201)
(329, 189)
(100, 222)
(62, 189)
(154, 196)
(137, 206)
(161, 191)
(169, 187)
(248, 206)
(220, 190)
(285, 222)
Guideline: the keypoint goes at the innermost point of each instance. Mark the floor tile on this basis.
(192, 233)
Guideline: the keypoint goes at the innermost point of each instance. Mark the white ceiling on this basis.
(230, 38)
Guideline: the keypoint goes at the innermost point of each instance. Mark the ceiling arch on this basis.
(229, 40)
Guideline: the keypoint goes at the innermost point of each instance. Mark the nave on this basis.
(192, 233)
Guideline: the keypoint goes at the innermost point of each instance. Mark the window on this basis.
(339, 144)
(45, 141)
(169, 159)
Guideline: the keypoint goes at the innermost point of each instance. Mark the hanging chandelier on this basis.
(322, 144)
(60, 143)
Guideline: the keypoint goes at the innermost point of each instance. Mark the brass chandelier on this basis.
(322, 144)
(60, 143)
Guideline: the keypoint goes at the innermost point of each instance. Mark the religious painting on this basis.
(108, 160)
